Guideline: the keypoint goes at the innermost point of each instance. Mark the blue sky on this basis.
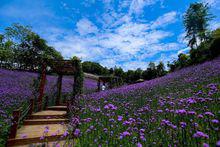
(125, 33)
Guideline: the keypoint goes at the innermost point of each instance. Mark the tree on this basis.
(183, 60)
(129, 76)
(150, 72)
(160, 69)
(94, 68)
(30, 50)
(6, 53)
(196, 23)
(118, 71)
(18, 33)
(215, 43)
(137, 74)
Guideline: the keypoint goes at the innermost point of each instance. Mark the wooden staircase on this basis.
(44, 126)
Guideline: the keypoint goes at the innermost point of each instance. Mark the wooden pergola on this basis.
(107, 79)
(61, 67)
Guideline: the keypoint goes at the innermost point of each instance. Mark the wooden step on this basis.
(44, 121)
(48, 114)
(29, 134)
(57, 108)
(61, 143)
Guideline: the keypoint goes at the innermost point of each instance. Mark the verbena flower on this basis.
(200, 134)
(76, 132)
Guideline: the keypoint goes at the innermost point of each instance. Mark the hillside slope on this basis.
(179, 109)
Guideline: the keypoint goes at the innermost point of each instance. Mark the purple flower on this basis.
(200, 116)
(142, 138)
(46, 130)
(105, 130)
(125, 133)
(159, 111)
(191, 112)
(23, 136)
(200, 134)
(209, 114)
(181, 111)
(110, 107)
(205, 145)
(215, 121)
(42, 137)
(142, 130)
(76, 132)
(218, 143)
(183, 124)
(120, 118)
(65, 133)
(139, 144)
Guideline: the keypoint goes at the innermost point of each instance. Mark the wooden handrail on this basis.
(31, 107)
(16, 115)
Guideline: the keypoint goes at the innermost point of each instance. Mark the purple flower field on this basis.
(179, 109)
(17, 87)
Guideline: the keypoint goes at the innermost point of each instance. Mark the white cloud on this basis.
(182, 39)
(84, 27)
(134, 65)
(210, 2)
(137, 6)
(127, 40)
(164, 20)
(214, 25)
(185, 50)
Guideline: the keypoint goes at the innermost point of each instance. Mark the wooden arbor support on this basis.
(61, 67)
(42, 85)
(59, 89)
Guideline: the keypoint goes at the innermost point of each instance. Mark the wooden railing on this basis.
(20, 114)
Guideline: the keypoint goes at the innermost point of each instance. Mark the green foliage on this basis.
(161, 69)
(118, 72)
(24, 48)
(94, 68)
(196, 22)
(204, 44)
(151, 72)
(18, 33)
(6, 52)
(78, 77)
(215, 44)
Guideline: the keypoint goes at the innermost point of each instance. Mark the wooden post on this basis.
(59, 89)
(42, 85)
(31, 107)
(98, 85)
(46, 102)
(68, 106)
(14, 127)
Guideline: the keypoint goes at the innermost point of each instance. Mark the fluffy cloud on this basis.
(137, 6)
(84, 27)
(128, 44)
(164, 20)
(210, 2)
